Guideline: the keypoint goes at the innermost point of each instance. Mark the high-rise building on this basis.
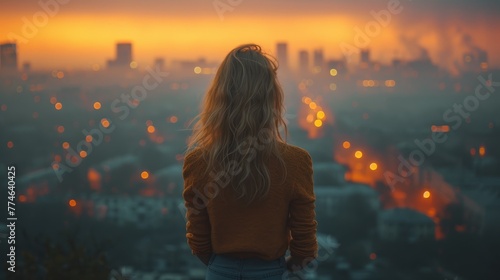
(365, 56)
(8, 56)
(282, 54)
(337, 67)
(303, 61)
(123, 55)
(318, 60)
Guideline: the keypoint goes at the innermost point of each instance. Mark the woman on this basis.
(249, 195)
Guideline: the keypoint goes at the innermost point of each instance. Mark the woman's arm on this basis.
(303, 246)
(198, 229)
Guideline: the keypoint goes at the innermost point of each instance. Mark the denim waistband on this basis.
(249, 263)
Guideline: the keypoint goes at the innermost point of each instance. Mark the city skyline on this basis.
(305, 60)
(175, 31)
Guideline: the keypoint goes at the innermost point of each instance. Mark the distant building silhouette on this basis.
(364, 59)
(26, 67)
(8, 56)
(318, 60)
(339, 65)
(190, 66)
(365, 56)
(282, 54)
(475, 61)
(397, 63)
(423, 65)
(303, 61)
(123, 56)
(159, 63)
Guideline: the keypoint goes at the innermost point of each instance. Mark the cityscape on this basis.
(405, 156)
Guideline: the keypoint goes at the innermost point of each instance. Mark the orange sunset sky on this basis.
(82, 33)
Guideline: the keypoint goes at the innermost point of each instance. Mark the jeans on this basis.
(222, 267)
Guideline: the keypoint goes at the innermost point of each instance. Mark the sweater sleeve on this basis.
(198, 229)
(303, 222)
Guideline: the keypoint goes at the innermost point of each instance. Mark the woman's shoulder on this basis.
(293, 151)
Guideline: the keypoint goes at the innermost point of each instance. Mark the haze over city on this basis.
(396, 102)
(81, 33)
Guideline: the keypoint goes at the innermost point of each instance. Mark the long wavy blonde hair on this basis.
(240, 121)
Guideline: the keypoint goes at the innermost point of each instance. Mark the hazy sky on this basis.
(81, 33)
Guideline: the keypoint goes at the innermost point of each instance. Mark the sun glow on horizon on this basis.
(84, 40)
(81, 41)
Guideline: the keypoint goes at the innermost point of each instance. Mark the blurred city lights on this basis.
(358, 154)
(318, 123)
(105, 122)
(426, 194)
(482, 151)
(346, 144)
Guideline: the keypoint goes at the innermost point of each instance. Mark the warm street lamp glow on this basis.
(426, 194)
(482, 151)
(346, 145)
(312, 105)
(358, 154)
(105, 123)
(373, 166)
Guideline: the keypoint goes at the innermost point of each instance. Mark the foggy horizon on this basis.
(396, 103)
(79, 35)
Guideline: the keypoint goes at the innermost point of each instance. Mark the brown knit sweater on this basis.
(265, 229)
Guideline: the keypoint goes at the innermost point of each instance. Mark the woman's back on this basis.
(262, 229)
(248, 194)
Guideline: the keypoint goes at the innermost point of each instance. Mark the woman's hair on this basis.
(241, 115)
